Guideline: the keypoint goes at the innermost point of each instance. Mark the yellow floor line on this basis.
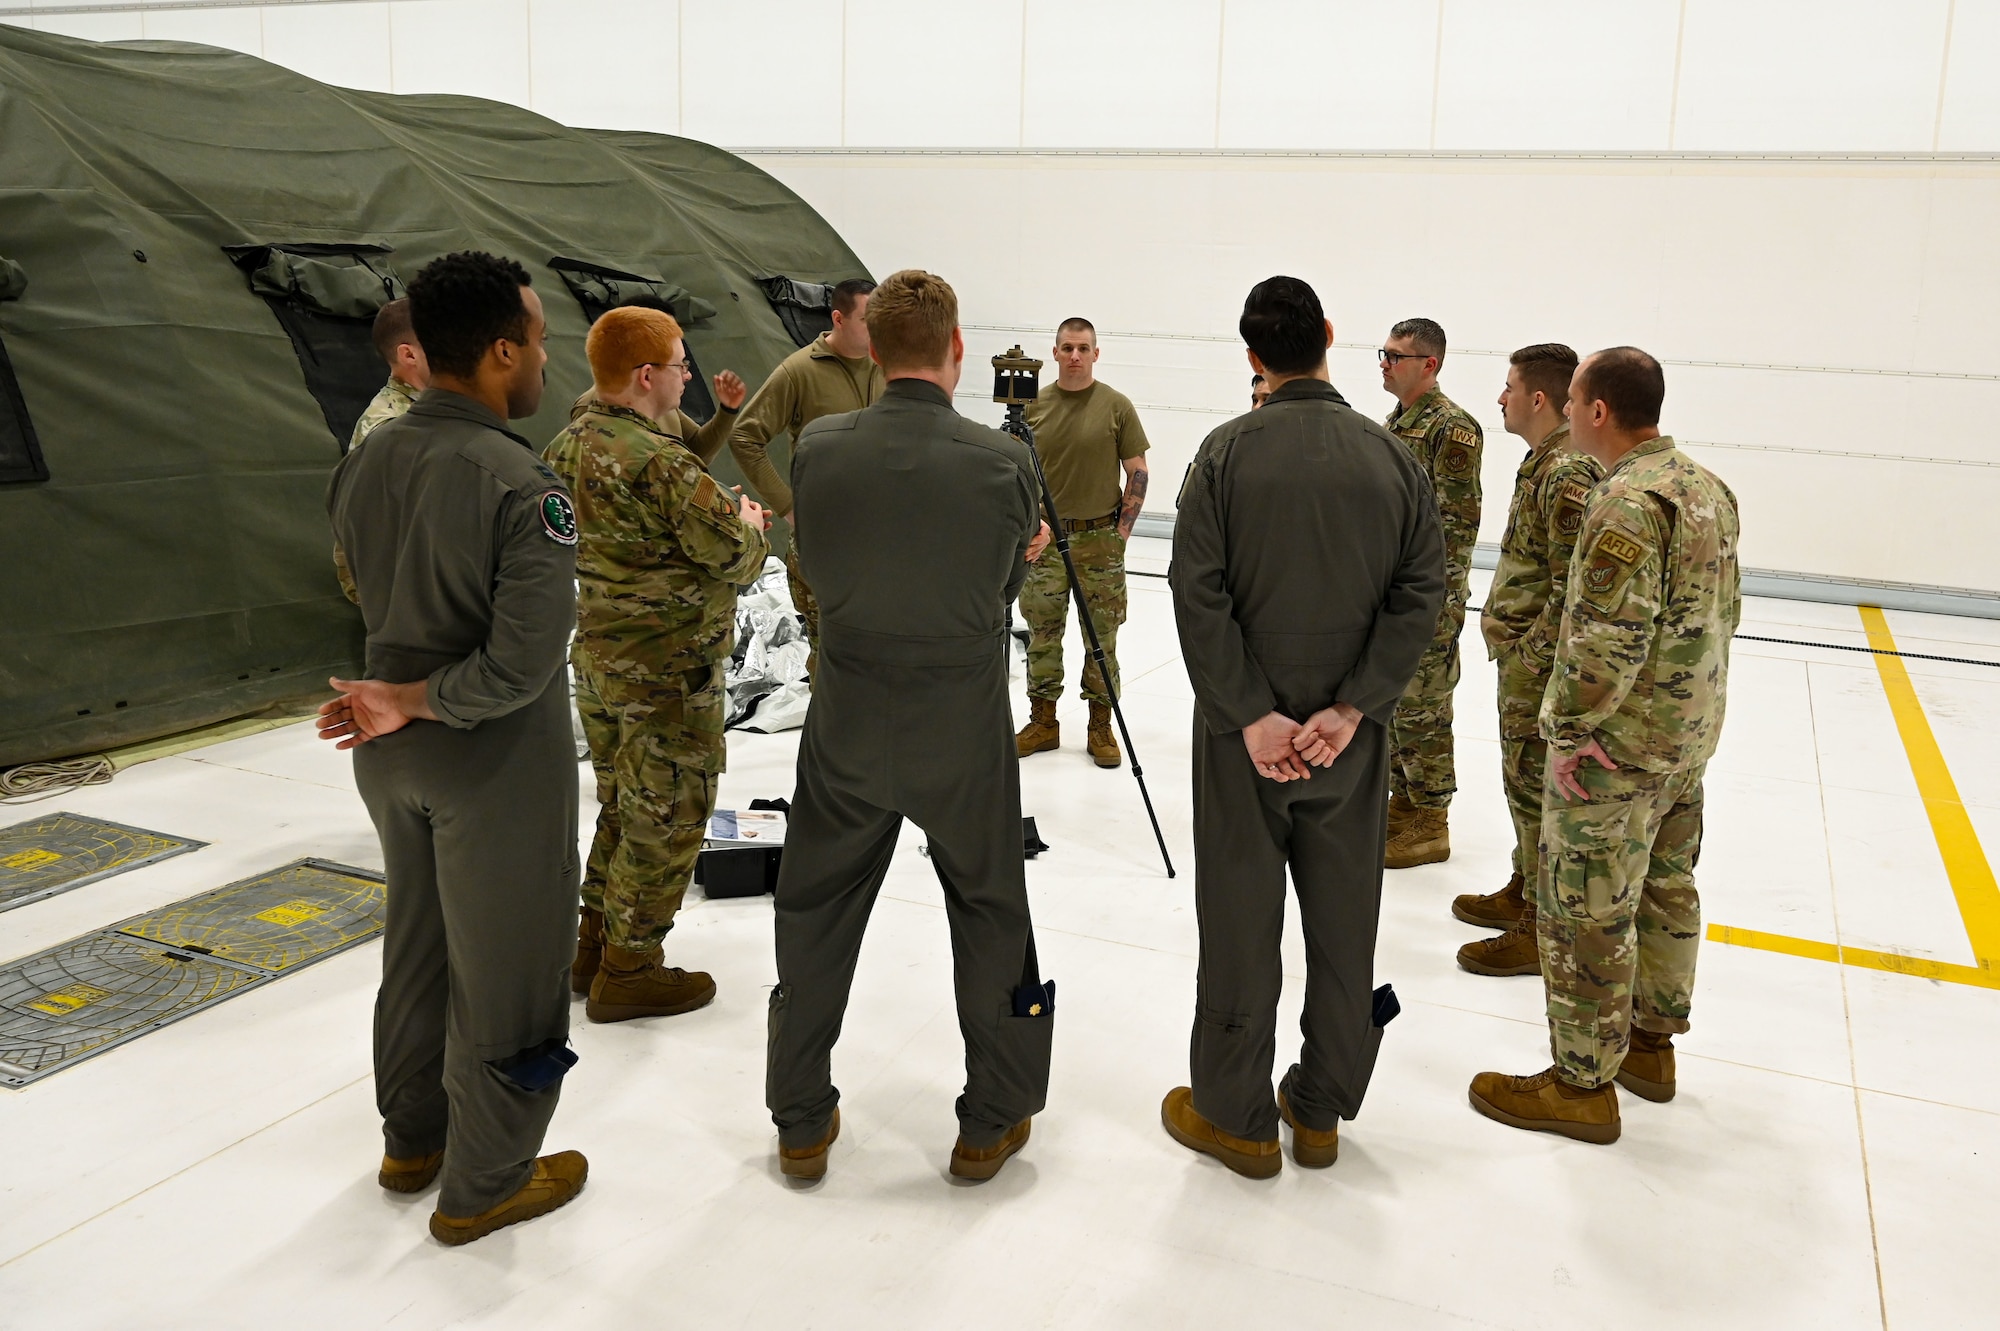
(1958, 841)
(1979, 977)
(1965, 861)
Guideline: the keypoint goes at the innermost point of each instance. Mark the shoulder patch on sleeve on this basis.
(1571, 499)
(1462, 435)
(706, 492)
(1456, 459)
(1616, 545)
(1607, 567)
(558, 516)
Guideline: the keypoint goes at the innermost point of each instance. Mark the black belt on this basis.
(1071, 526)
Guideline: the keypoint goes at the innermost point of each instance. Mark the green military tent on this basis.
(192, 245)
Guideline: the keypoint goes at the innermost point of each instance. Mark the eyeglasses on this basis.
(678, 365)
(1388, 357)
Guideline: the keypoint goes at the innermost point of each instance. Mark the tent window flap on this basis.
(804, 308)
(325, 297)
(598, 289)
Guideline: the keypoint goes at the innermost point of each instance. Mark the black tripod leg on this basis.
(1027, 436)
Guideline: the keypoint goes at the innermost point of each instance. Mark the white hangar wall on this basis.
(1792, 202)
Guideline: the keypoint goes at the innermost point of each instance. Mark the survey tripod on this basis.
(1015, 384)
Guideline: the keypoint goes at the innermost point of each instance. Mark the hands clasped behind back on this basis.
(1282, 749)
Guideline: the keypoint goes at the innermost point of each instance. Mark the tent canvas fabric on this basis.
(173, 568)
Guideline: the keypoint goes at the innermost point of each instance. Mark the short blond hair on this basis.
(625, 338)
(910, 320)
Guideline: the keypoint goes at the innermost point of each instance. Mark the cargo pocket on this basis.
(1022, 1050)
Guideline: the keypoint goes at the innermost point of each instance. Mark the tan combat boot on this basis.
(1648, 1070)
(409, 1173)
(1496, 910)
(589, 950)
(1516, 952)
(809, 1162)
(1547, 1103)
(554, 1181)
(979, 1163)
(1400, 810)
(635, 984)
(1310, 1146)
(1041, 733)
(1103, 744)
(1424, 839)
(1186, 1126)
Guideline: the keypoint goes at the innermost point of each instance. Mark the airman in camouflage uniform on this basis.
(1093, 452)
(392, 400)
(1446, 443)
(1523, 616)
(1632, 714)
(409, 375)
(662, 550)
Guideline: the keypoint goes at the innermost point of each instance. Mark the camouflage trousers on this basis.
(806, 604)
(657, 748)
(1045, 600)
(1524, 759)
(1618, 917)
(1421, 762)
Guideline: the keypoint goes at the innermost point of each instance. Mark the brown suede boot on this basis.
(1495, 910)
(1516, 952)
(1310, 1147)
(1190, 1129)
(1547, 1103)
(589, 950)
(409, 1173)
(1648, 1070)
(1102, 742)
(1041, 733)
(635, 984)
(809, 1162)
(555, 1180)
(976, 1164)
(1424, 839)
(1400, 810)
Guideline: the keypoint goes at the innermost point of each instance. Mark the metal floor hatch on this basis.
(59, 851)
(82, 997)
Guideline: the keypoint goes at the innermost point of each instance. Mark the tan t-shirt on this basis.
(1082, 438)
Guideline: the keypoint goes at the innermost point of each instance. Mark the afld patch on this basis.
(558, 517)
(1611, 559)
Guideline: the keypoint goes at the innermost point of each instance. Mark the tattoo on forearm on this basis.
(1135, 499)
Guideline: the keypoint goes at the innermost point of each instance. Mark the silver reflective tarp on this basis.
(767, 684)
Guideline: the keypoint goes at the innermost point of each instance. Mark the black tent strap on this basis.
(1786, 642)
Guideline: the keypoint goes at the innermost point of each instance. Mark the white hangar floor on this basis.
(1833, 1158)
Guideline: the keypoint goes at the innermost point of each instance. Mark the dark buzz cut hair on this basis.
(848, 294)
(1284, 325)
(392, 329)
(1627, 381)
(462, 304)
(1078, 322)
(1426, 335)
(1546, 368)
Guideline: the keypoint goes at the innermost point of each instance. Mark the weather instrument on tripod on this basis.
(1015, 384)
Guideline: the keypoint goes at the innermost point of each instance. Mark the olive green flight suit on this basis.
(1308, 570)
(917, 525)
(463, 547)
